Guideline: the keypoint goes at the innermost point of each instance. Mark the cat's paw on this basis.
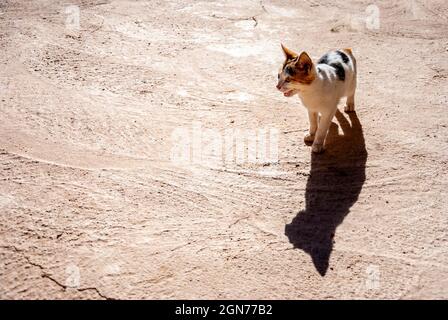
(308, 138)
(350, 107)
(317, 148)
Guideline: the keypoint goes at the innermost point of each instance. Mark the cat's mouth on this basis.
(289, 93)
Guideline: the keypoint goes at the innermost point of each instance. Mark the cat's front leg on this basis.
(313, 118)
(322, 130)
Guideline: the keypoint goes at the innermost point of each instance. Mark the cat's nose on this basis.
(278, 86)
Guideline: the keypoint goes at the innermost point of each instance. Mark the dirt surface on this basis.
(95, 205)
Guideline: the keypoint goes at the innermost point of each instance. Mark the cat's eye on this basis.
(290, 71)
(278, 76)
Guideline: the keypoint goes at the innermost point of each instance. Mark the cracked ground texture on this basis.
(93, 207)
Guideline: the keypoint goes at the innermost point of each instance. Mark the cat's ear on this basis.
(289, 54)
(304, 62)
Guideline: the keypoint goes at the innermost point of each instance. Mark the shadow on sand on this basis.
(333, 186)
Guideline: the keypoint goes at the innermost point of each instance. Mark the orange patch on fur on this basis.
(348, 50)
(305, 79)
(302, 76)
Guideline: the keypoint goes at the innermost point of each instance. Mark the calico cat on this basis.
(320, 87)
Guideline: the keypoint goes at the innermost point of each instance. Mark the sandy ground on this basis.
(96, 205)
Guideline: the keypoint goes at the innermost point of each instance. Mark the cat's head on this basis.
(297, 71)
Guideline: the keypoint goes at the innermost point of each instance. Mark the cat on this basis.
(320, 86)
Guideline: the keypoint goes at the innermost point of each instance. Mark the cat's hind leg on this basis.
(350, 104)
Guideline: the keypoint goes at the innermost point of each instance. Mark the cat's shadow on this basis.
(333, 186)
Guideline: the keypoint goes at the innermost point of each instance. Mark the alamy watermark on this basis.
(369, 19)
(373, 277)
(73, 279)
(213, 148)
(72, 19)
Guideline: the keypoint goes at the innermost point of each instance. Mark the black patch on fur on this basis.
(323, 60)
(343, 56)
(340, 72)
